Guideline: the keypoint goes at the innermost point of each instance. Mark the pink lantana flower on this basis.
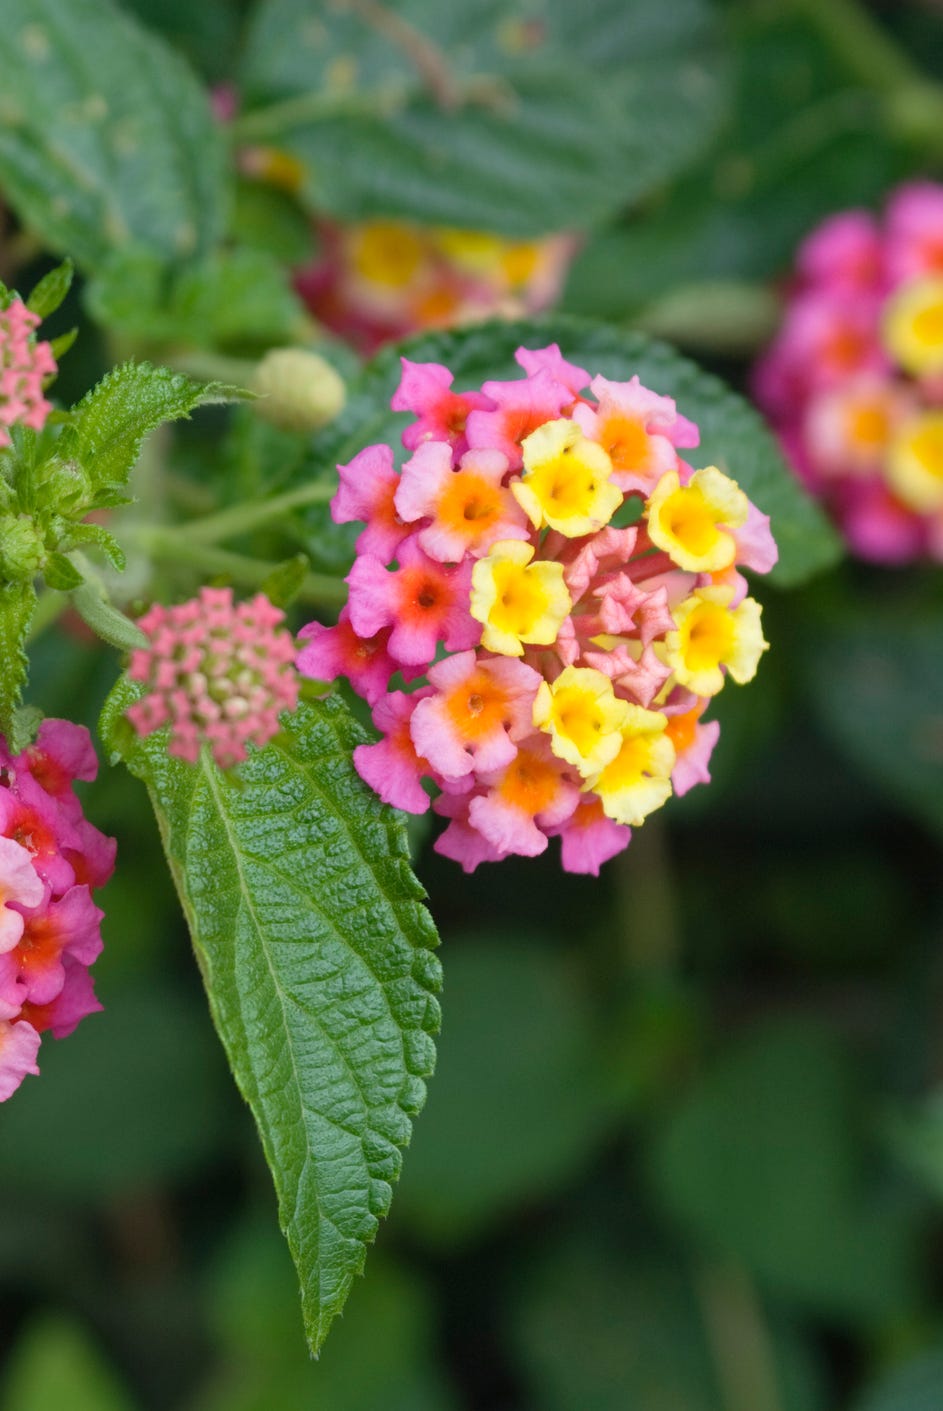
(24, 364)
(330, 652)
(853, 381)
(217, 673)
(50, 929)
(467, 509)
(557, 651)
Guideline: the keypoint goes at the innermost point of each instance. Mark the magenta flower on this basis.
(51, 858)
(216, 672)
(560, 656)
(853, 381)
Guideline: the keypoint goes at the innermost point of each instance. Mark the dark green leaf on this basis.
(317, 958)
(473, 115)
(913, 1387)
(55, 1363)
(106, 136)
(51, 290)
(99, 536)
(111, 421)
(58, 1144)
(511, 1117)
(17, 601)
(642, 1332)
(761, 1162)
(875, 675)
(255, 1316)
(733, 436)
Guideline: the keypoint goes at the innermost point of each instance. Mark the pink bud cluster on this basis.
(560, 590)
(853, 382)
(216, 672)
(384, 279)
(24, 364)
(51, 860)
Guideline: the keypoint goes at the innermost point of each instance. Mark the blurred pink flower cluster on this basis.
(51, 860)
(384, 279)
(24, 364)
(854, 380)
(216, 672)
(583, 581)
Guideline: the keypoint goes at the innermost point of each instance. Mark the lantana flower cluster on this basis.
(560, 657)
(24, 364)
(216, 672)
(854, 380)
(383, 279)
(51, 861)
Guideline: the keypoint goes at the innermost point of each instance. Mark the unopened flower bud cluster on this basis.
(560, 591)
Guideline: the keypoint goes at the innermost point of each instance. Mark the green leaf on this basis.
(111, 421)
(63, 1148)
(51, 290)
(254, 1305)
(913, 1387)
(317, 957)
(511, 1118)
(17, 602)
(647, 1334)
(55, 1363)
(473, 115)
(106, 136)
(61, 573)
(874, 672)
(733, 435)
(761, 1162)
(231, 297)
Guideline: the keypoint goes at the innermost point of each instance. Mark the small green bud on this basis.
(298, 390)
(22, 552)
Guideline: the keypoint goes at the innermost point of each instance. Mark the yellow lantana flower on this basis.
(566, 484)
(710, 635)
(913, 326)
(915, 464)
(691, 522)
(583, 717)
(638, 779)
(517, 601)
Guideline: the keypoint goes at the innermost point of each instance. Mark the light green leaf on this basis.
(316, 953)
(56, 1364)
(17, 602)
(51, 290)
(229, 298)
(733, 435)
(474, 115)
(106, 136)
(61, 573)
(111, 421)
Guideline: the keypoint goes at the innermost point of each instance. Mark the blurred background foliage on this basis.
(684, 1148)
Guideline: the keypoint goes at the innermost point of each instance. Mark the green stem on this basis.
(278, 118)
(739, 1338)
(172, 546)
(92, 604)
(238, 519)
(647, 904)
